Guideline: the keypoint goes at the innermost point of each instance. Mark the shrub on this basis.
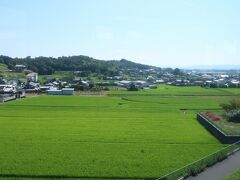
(234, 104)
(233, 115)
(232, 110)
(132, 87)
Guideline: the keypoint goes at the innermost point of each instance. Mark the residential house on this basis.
(32, 77)
(64, 91)
(20, 67)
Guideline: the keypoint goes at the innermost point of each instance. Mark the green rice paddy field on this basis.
(130, 137)
(165, 90)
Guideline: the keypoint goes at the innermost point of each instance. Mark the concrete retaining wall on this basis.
(219, 134)
(10, 97)
(7, 97)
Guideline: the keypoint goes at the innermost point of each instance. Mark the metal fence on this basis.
(198, 166)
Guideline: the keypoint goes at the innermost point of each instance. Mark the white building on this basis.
(64, 91)
(67, 91)
(32, 77)
(124, 83)
(54, 92)
(20, 67)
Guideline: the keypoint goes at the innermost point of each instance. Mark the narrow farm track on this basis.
(221, 169)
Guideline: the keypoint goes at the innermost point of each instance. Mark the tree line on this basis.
(48, 65)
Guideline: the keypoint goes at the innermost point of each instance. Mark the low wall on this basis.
(219, 134)
(10, 97)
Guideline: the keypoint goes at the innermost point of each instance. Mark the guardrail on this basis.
(200, 165)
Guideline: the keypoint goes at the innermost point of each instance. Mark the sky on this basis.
(174, 33)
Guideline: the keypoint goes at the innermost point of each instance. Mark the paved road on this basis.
(221, 169)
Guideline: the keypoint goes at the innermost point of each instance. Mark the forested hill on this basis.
(48, 65)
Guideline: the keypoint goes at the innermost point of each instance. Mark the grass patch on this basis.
(234, 176)
(3, 67)
(14, 75)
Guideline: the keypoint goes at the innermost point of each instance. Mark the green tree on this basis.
(177, 71)
(232, 110)
(233, 104)
(132, 87)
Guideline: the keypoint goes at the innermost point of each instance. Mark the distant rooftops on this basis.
(64, 91)
(32, 74)
(20, 66)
